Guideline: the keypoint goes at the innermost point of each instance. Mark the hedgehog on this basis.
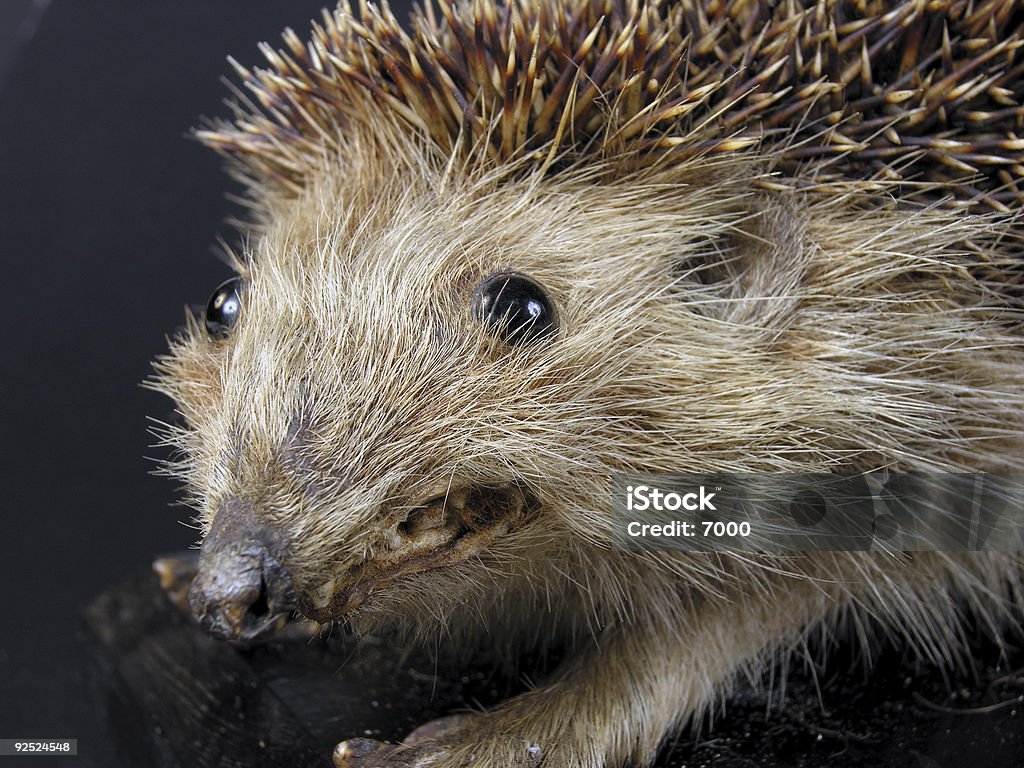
(499, 255)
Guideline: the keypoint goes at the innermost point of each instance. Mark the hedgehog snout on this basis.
(241, 593)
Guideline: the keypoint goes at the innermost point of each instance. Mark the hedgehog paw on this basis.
(457, 741)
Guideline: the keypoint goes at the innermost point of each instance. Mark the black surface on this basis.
(173, 697)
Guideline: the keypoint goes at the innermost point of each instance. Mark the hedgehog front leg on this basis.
(615, 703)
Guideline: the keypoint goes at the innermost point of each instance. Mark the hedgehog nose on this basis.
(241, 592)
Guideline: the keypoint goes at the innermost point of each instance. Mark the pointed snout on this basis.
(241, 592)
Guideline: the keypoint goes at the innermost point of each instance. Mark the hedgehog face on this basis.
(400, 384)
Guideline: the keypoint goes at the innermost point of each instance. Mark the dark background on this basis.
(108, 215)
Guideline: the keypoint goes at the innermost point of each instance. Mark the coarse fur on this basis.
(779, 237)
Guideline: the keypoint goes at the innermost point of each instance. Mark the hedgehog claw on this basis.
(362, 753)
(456, 741)
(176, 573)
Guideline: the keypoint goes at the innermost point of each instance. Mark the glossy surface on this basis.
(515, 307)
(224, 307)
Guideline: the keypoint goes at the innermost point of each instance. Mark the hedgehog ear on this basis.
(744, 272)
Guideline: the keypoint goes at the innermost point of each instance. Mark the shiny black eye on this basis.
(224, 307)
(515, 307)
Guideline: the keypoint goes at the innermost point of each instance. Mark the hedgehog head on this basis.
(465, 307)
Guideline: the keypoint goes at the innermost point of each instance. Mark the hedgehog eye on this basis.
(224, 307)
(515, 308)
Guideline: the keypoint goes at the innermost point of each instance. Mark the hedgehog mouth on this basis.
(445, 530)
